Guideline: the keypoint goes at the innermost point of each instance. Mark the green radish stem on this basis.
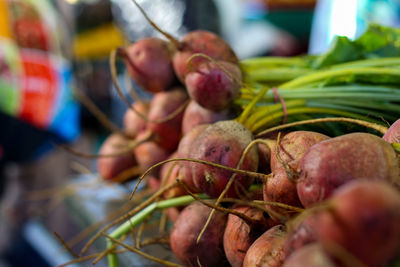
(262, 112)
(114, 262)
(267, 62)
(355, 110)
(141, 215)
(212, 164)
(372, 62)
(249, 108)
(130, 213)
(113, 70)
(107, 251)
(329, 74)
(273, 74)
(368, 104)
(396, 147)
(347, 91)
(374, 126)
(266, 122)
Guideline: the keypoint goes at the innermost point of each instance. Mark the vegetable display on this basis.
(266, 161)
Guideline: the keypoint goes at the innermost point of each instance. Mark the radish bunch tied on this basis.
(233, 191)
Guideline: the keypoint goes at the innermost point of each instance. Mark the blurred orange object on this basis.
(5, 30)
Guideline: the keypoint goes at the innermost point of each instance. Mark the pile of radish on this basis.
(236, 195)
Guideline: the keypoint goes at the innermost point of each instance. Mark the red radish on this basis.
(223, 143)
(281, 188)
(164, 104)
(267, 250)
(149, 61)
(393, 133)
(204, 42)
(209, 251)
(362, 219)
(239, 235)
(333, 162)
(173, 213)
(111, 167)
(149, 153)
(154, 183)
(185, 144)
(214, 85)
(264, 156)
(198, 41)
(304, 231)
(195, 114)
(293, 146)
(133, 123)
(169, 173)
(312, 255)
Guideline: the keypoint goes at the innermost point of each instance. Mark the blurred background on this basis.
(49, 49)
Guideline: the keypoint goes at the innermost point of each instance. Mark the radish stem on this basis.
(266, 122)
(140, 216)
(329, 74)
(377, 127)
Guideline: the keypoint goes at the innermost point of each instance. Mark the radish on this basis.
(393, 133)
(312, 255)
(199, 41)
(195, 114)
(111, 167)
(149, 153)
(280, 187)
(223, 142)
(264, 156)
(168, 174)
(267, 250)
(239, 235)
(184, 147)
(214, 85)
(336, 161)
(361, 219)
(203, 42)
(133, 124)
(149, 61)
(165, 117)
(209, 251)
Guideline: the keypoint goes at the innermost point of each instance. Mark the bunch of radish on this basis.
(328, 202)
(292, 198)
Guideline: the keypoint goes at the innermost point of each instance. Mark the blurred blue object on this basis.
(349, 18)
